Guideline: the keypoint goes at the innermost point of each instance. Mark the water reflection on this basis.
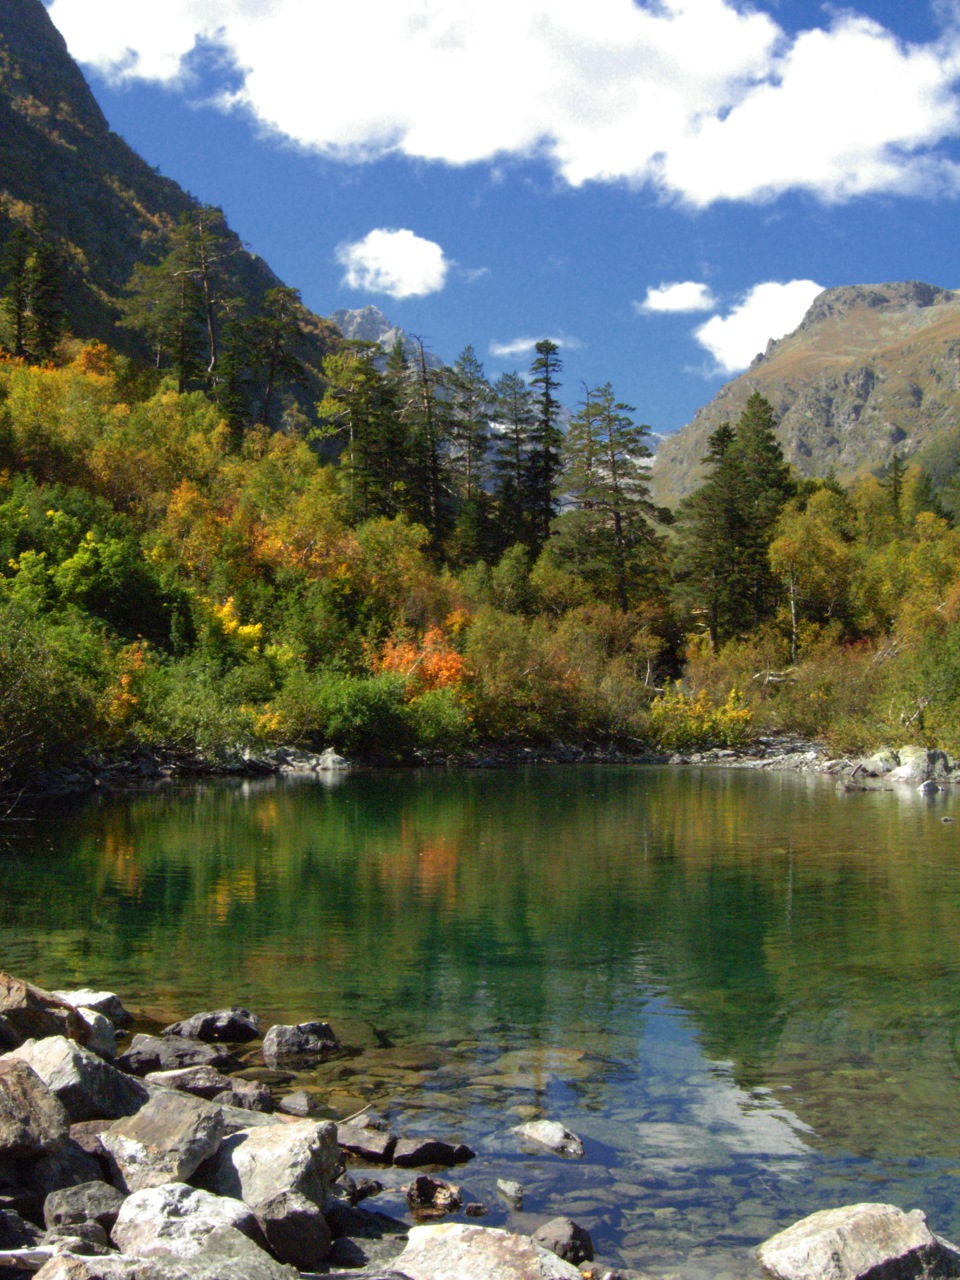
(742, 990)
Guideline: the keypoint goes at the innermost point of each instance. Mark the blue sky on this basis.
(659, 187)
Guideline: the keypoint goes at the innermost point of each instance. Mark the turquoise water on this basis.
(741, 990)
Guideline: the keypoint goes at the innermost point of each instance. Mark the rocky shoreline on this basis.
(170, 1157)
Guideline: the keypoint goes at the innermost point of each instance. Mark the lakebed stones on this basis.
(167, 1053)
(256, 1164)
(878, 1241)
(88, 1087)
(566, 1239)
(552, 1135)
(231, 1026)
(32, 1120)
(301, 1044)
(457, 1251)
(30, 1012)
(166, 1141)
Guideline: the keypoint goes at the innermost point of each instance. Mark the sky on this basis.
(658, 187)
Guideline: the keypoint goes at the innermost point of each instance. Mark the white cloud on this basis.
(686, 295)
(525, 346)
(397, 263)
(769, 310)
(704, 100)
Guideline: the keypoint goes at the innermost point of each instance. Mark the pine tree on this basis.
(274, 336)
(513, 413)
(546, 441)
(15, 299)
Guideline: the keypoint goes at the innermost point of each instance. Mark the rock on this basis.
(476, 1210)
(68, 1166)
(304, 1043)
(16, 1233)
(32, 1120)
(917, 764)
(234, 1026)
(88, 1202)
(563, 1237)
(80, 1237)
(861, 1240)
(104, 1002)
(237, 1118)
(361, 1238)
(510, 1191)
(329, 760)
(32, 1012)
(202, 1082)
(430, 1198)
(166, 1053)
(166, 1141)
(175, 1218)
(882, 762)
(459, 1251)
(225, 1255)
(412, 1153)
(8, 1037)
(552, 1135)
(256, 1164)
(295, 1104)
(88, 1087)
(296, 1230)
(367, 1143)
(103, 1034)
(928, 788)
(86, 1134)
(248, 1095)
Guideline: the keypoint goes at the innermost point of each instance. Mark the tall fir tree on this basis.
(513, 413)
(546, 442)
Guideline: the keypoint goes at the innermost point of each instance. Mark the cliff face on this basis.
(871, 370)
(105, 205)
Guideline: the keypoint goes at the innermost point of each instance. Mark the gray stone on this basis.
(167, 1053)
(414, 1153)
(175, 1219)
(88, 1087)
(16, 1232)
(566, 1239)
(88, 1202)
(510, 1191)
(430, 1198)
(295, 1104)
(459, 1251)
(166, 1141)
(878, 1241)
(303, 1044)
(552, 1135)
(31, 1118)
(248, 1095)
(882, 762)
(86, 1133)
(296, 1230)
(103, 1034)
(105, 1002)
(362, 1238)
(32, 1012)
(68, 1166)
(917, 764)
(329, 760)
(202, 1082)
(367, 1143)
(256, 1164)
(233, 1026)
(79, 1237)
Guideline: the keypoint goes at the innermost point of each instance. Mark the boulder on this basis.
(552, 1135)
(16, 1233)
(175, 1219)
(566, 1239)
(367, 1143)
(296, 1230)
(8, 1037)
(295, 1104)
(234, 1026)
(104, 1002)
(32, 1120)
(413, 1153)
(103, 1034)
(256, 1164)
(88, 1202)
(87, 1238)
(166, 1141)
(248, 1095)
(88, 1087)
(86, 1133)
(32, 1012)
(202, 1082)
(918, 764)
(302, 1044)
(459, 1251)
(167, 1053)
(882, 762)
(878, 1241)
(361, 1238)
(68, 1166)
(430, 1198)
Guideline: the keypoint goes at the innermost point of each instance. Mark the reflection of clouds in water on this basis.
(754, 1123)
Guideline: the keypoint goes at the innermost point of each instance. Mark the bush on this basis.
(356, 715)
(440, 721)
(679, 723)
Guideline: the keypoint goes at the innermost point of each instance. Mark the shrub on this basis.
(356, 715)
(679, 722)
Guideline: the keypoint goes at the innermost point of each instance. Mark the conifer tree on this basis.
(546, 442)
(513, 412)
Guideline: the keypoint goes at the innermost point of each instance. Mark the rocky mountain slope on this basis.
(105, 206)
(369, 324)
(871, 370)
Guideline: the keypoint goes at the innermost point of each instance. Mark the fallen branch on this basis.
(27, 1259)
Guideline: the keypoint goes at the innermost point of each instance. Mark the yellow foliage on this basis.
(679, 722)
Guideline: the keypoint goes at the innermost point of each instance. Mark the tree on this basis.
(275, 334)
(609, 533)
(31, 304)
(513, 411)
(546, 442)
(15, 302)
(470, 409)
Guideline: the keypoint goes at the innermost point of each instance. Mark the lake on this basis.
(742, 990)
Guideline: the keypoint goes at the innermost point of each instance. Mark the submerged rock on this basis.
(552, 1135)
(166, 1053)
(430, 1198)
(566, 1239)
(857, 1242)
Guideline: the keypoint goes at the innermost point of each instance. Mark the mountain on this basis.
(872, 370)
(369, 324)
(104, 206)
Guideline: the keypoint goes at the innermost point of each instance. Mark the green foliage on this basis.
(353, 714)
(681, 723)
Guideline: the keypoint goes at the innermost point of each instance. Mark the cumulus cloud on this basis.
(685, 295)
(399, 264)
(769, 310)
(704, 100)
(525, 346)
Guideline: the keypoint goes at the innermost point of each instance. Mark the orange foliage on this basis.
(433, 664)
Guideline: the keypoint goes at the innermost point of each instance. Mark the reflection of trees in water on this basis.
(555, 899)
